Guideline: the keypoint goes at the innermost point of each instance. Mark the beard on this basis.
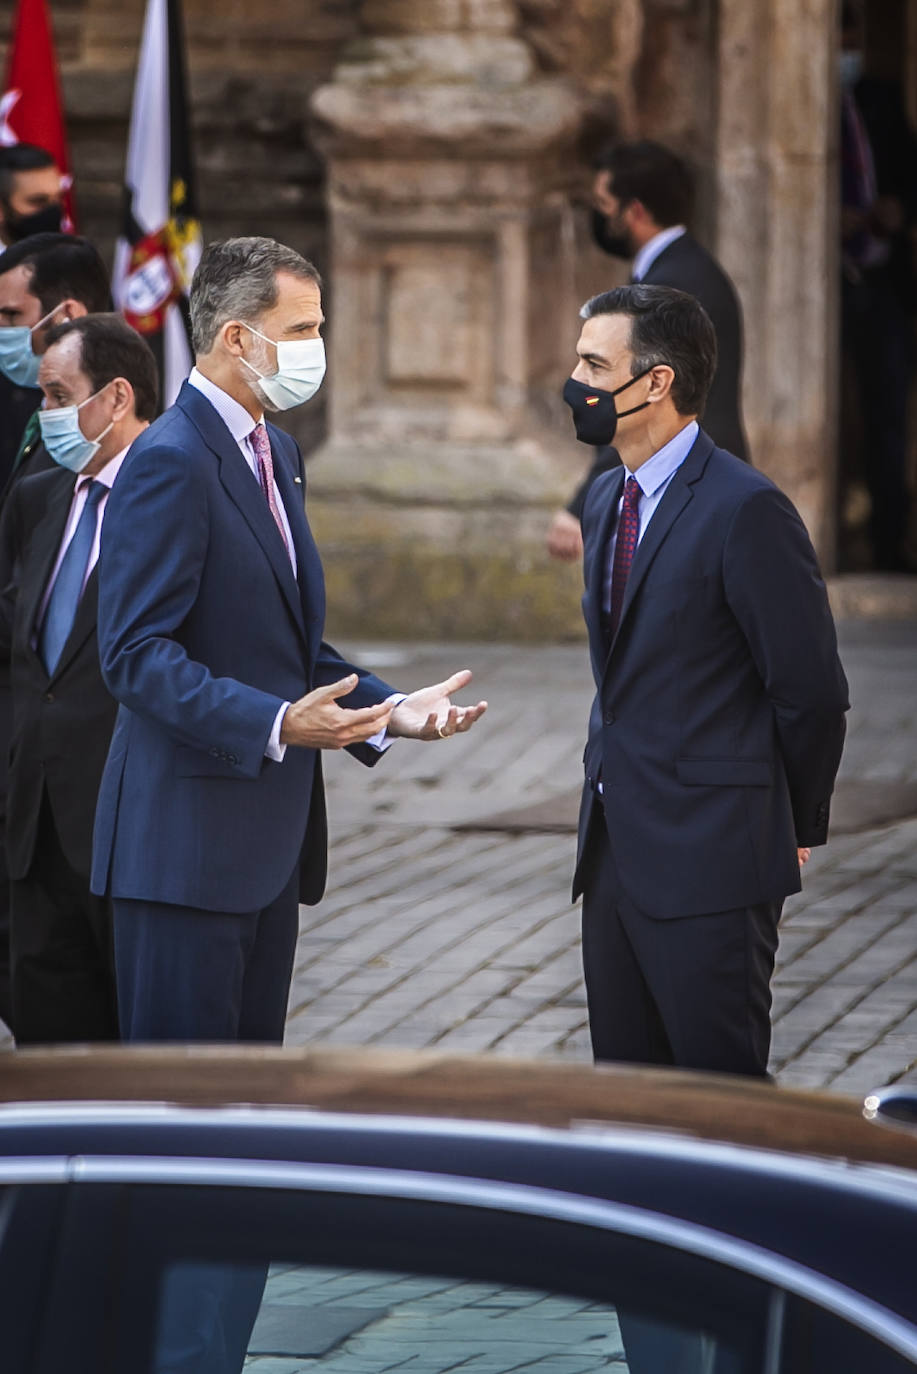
(260, 363)
(611, 236)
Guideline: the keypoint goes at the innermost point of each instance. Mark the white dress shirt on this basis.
(240, 425)
(653, 478)
(106, 478)
(652, 248)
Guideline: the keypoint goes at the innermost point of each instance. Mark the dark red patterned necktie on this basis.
(625, 548)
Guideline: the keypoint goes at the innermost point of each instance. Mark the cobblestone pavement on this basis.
(465, 939)
(425, 1325)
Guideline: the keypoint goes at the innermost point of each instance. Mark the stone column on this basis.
(778, 238)
(452, 322)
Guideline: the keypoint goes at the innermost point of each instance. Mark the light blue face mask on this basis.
(17, 357)
(300, 371)
(63, 438)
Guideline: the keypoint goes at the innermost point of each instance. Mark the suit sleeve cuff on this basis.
(274, 749)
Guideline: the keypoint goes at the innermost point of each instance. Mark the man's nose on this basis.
(579, 372)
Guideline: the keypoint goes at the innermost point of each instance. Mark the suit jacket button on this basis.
(49, 696)
(609, 717)
(214, 753)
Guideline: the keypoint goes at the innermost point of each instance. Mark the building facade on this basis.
(432, 159)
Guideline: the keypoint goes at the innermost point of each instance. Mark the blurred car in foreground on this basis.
(369, 1212)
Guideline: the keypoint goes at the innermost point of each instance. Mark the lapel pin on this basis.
(298, 481)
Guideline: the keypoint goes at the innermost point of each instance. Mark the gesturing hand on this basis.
(429, 713)
(316, 721)
(564, 539)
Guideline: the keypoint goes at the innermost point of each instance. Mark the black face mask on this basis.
(46, 221)
(595, 415)
(616, 243)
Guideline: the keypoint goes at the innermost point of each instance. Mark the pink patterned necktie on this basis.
(625, 548)
(261, 445)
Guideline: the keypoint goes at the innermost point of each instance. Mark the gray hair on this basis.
(236, 279)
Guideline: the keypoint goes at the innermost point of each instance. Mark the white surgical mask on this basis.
(18, 359)
(63, 438)
(300, 370)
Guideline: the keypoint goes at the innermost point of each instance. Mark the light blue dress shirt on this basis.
(651, 250)
(652, 477)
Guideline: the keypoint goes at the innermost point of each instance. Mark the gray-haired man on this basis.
(210, 826)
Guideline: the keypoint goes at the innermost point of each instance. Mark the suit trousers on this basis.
(193, 975)
(63, 979)
(692, 991)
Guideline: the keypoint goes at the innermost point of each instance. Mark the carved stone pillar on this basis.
(452, 324)
(778, 238)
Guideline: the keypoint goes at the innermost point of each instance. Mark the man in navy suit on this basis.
(718, 721)
(210, 826)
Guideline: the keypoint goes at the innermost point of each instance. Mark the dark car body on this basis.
(595, 1216)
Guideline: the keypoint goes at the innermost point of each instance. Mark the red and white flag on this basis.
(30, 108)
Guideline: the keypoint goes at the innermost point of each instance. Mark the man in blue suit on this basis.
(718, 721)
(210, 826)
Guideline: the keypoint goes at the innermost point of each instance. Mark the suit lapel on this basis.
(243, 490)
(600, 560)
(309, 569)
(46, 545)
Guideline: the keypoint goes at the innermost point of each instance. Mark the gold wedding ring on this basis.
(439, 731)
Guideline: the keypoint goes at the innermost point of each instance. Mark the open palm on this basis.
(429, 713)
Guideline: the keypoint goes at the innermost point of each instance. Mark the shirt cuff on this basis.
(274, 749)
(380, 741)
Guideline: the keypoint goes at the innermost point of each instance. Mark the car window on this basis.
(336, 1321)
(211, 1280)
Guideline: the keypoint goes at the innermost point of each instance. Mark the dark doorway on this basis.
(877, 525)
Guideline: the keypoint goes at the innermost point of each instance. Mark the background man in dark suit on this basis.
(31, 203)
(211, 820)
(644, 195)
(99, 383)
(718, 722)
(44, 279)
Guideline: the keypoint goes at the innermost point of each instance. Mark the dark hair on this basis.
(667, 326)
(21, 157)
(61, 267)
(652, 174)
(109, 348)
(236, 279)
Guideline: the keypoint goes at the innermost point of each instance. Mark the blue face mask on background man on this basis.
(18, 359)
(63, 438)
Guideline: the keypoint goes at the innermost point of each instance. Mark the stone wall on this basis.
(457, 249)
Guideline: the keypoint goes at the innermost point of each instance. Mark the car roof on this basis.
(447, 1087)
